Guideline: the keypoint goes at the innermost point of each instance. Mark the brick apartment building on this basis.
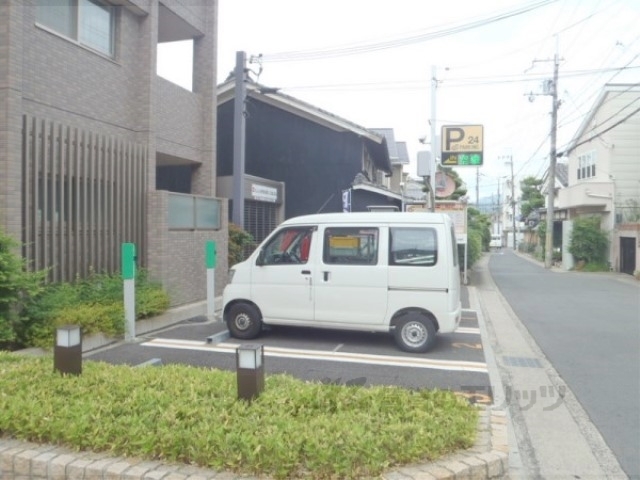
(91, 139)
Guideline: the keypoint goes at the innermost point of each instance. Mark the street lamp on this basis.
(250, 371)
(67, 352)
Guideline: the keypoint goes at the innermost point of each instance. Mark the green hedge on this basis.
(179, 413)
(95, 304)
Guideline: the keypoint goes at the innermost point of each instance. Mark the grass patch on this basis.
(186, 414)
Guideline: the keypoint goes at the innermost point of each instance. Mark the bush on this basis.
(474, 249)
(592, 267)
(17, 286)
(179, 413)
(240, 242)
(588, 242)
(96, 304)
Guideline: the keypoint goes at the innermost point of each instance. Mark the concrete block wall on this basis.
(177, 257)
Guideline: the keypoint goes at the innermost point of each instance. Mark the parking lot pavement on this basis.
(455, 363)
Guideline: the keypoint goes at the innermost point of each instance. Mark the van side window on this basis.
(413, 246)
(351, 246)
(290, 246)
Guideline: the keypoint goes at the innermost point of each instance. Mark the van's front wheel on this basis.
(243, 321)
(415, 333)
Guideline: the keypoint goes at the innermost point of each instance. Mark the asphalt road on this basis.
(588, 326)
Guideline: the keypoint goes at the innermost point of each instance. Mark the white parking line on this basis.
(334, 356)
(468, 330)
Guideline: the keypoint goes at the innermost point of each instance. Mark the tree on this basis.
(480, 223)
(532, 197)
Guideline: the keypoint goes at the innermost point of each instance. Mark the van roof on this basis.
(369, 217)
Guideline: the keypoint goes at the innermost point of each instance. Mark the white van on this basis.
(496, 241)
(371, 271)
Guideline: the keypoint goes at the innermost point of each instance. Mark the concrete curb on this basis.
(170, 317)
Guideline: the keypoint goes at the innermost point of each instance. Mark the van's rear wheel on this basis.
(415, 333)
(243, 321)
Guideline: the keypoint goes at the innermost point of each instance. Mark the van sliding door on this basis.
(350, 285)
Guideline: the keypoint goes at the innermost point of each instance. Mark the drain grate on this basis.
(522, 362)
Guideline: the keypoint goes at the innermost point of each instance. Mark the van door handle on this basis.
(306, 272)
(326, 276)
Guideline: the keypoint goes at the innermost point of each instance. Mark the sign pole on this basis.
(128, 251)
(210, 260)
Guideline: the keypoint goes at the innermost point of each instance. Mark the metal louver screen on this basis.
(259, 219)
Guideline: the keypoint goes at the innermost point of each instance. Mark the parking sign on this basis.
(462, 145)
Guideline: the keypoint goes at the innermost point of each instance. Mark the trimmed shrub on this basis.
(588, 242)
(95, 304)
(241, 243)
(17, 286)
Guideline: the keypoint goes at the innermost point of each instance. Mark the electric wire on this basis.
(419, 37)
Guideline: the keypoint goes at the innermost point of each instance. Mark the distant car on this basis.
(496, 241)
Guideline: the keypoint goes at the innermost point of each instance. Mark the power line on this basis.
(421, 36)
(449, 83)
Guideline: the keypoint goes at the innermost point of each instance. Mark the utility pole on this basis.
(434, 147)
(239, 127)
(478, 188)
(513, 204)
(499, 210)
(548, 257)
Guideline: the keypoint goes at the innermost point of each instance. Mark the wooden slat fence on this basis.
(83, 195)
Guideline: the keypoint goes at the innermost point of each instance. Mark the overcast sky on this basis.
(370, 61)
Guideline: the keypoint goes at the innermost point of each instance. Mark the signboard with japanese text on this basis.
(458, 213)
(462, 145)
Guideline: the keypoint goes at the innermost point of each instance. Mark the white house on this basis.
(603, 162)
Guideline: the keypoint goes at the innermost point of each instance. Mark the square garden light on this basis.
(250, 371)
(67, 351)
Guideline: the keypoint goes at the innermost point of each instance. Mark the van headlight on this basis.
(232, 272)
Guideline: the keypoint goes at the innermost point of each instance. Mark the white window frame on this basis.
(79, 8)
(586, 165)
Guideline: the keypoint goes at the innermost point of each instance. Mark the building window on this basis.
(88, 22)
(587, 165)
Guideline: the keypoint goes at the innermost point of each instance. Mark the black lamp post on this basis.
(67, 352)
(250, 371)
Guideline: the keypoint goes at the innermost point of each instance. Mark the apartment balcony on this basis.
(587, 194)
(178, 121)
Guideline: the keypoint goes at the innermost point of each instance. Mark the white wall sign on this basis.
(264, 193)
